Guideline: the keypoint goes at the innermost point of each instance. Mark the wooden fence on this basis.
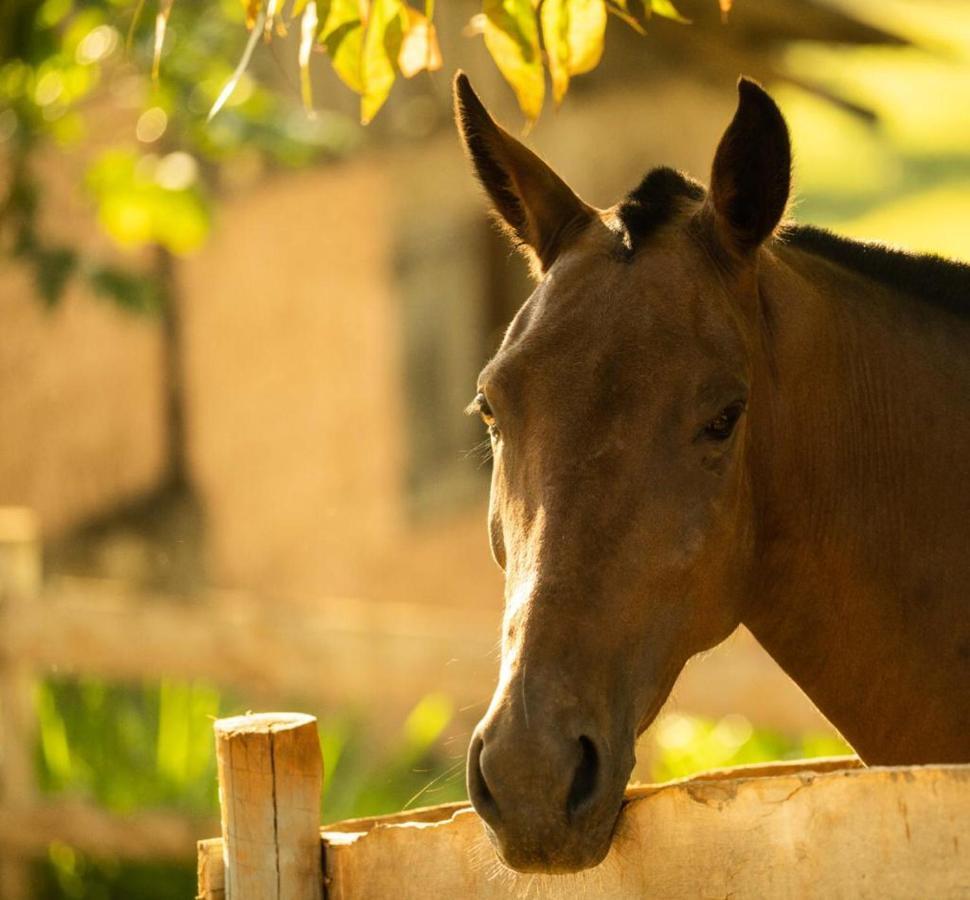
(820, 828)
(332, 653)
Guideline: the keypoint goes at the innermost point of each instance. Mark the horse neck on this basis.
(860, 475)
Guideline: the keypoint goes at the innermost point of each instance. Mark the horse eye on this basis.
(722, 425)
(480, 406)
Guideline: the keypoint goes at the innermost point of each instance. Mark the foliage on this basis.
(134, 746)
(127, 747)
(686, 745)
(59, 59)
(371, 42)
(68, 875)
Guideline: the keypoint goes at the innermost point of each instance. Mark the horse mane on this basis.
(933, 279)
(936, 280)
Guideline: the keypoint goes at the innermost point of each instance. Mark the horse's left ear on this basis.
(536, 207)
(751, 177)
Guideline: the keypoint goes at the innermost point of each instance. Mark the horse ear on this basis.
(751, 176)
(533, 203)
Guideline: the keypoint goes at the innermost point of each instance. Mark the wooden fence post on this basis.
(20, 579)
(270, 778)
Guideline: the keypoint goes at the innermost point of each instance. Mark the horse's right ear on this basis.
(751, 176)
(533, 203)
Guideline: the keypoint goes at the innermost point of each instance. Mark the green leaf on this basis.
(136, 293)
(667, 10)
(573, 32)
(382, 45)
(341, 32)
(336, 14)
(512, 38)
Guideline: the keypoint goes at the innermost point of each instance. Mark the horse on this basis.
(705, 415)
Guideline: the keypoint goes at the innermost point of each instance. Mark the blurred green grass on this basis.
(128, 747)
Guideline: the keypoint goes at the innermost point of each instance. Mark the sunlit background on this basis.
(233, 360)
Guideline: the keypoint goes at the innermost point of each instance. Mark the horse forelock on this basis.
(654, 203)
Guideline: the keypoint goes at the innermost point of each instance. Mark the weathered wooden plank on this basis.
(212, 870)
(270, 779)
(859, 833)
(27, 833)
(338, 651)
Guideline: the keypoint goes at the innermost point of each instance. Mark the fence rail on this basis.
(26, 833)
(819, 828)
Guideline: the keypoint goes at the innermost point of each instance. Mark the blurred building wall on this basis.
(82, 426)
(292, 373)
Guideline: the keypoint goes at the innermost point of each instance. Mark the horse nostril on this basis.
(478, 790)
(584, 781)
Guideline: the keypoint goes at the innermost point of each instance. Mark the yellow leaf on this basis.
(308, 32)
(346, 56)
(554, 18)
(382, 44)
(667, 9)
(573, 32)
(341, 32)
(512, 38)
(419, 49)
(587, 26)
(335, 15)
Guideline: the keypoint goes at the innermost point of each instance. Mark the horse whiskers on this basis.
(602, 881)
(444, 776)
(482, 451)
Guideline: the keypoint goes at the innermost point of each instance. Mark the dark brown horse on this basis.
(701, 418)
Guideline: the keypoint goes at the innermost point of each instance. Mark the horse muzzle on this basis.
(548, 788)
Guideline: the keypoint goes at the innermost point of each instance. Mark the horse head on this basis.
(619, 408)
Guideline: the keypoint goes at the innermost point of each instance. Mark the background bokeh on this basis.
(233, 361)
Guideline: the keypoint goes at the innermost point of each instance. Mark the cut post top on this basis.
(262, 723)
